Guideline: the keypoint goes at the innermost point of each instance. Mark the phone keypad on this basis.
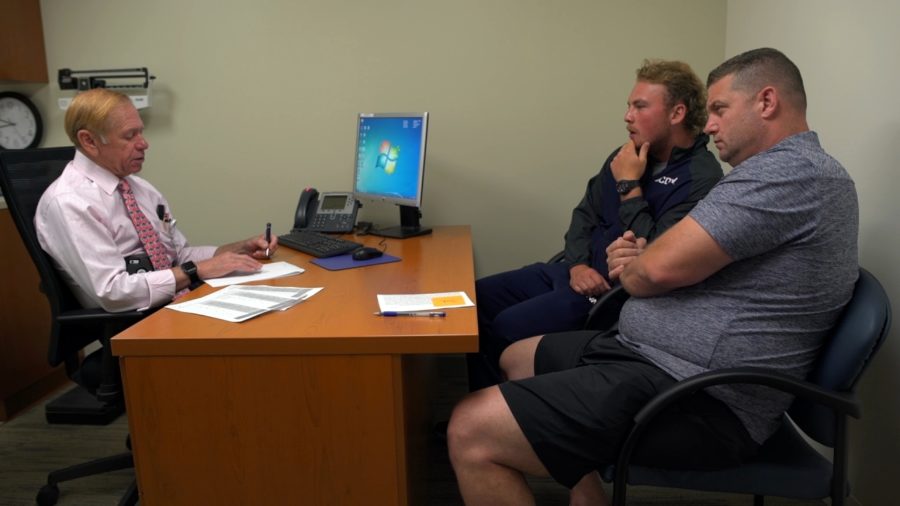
(332, 222)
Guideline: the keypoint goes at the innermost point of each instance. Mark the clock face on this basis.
(20, 122)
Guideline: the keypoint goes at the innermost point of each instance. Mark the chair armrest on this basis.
(94, 325)
(840, 402)
(102, 325)
(99, 315)
(558, 257)
(75, 329)
(605, 313)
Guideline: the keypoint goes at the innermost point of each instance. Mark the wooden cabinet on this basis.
(25, 375)
(22, 55)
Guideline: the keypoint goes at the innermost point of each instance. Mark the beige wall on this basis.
(255, 100)
(847, 53)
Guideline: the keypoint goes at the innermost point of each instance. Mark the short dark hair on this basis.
(682, 86)
(761, 67)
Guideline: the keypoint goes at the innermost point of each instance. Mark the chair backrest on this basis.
(24, 175)
(858, 334)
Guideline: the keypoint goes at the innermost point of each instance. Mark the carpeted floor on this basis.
(29, 448)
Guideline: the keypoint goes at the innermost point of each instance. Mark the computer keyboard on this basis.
(317, 244)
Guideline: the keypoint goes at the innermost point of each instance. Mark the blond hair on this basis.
(90, 111)
(682, 86)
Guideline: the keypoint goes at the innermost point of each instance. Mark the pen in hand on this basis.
(268, 238)
(411, 313)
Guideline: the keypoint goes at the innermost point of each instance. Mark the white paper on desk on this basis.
(423, 301)
(283, 297)
(269, 271)
(239, 303)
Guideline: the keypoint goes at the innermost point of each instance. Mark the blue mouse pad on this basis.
(341, 262)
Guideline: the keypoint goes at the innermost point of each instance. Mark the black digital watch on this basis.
(190, 268)
(626, 185)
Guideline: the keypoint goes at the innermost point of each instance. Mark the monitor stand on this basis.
(409, 225)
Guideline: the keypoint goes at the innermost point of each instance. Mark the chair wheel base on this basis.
(48, 495)
(80, 407)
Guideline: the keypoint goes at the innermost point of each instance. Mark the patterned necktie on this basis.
(148, 235)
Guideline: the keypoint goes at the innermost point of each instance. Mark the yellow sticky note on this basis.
(453, 300)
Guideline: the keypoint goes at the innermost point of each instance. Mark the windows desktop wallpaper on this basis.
(388, 155)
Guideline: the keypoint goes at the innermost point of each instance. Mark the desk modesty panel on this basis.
(324, 403)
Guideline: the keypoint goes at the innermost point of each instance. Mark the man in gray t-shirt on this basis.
(787, 219)
(755, 275)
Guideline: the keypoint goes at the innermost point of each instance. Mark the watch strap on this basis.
(626, 185)
(190, 268)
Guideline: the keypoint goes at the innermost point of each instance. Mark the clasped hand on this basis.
(587, 281)
(622, 252)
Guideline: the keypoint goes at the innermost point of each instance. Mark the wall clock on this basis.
(20, 122)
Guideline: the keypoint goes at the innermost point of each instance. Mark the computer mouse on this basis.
(367, 253)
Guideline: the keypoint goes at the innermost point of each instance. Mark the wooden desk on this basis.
(321, 404)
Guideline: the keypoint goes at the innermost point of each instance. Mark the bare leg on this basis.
(589, 492)
(517, 360)
(489, 453)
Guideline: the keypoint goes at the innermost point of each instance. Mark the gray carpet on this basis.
(29, 448)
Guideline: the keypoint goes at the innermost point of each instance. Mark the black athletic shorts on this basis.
(580, 405)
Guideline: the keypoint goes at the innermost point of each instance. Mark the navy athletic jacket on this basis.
(601, 217)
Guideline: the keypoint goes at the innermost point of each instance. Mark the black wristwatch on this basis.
(190, 268)
(626, 185)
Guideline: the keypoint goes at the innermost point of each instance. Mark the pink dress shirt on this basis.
(83, 225)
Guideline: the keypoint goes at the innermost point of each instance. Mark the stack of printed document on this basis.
(423, 301)
(236, 303)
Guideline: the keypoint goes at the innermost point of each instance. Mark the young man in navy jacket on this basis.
(645, 186)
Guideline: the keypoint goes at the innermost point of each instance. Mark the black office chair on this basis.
(786, 466)
(24, 175)
(604, 315)
(558, 257)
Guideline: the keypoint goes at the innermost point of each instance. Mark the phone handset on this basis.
(333, 212)
(306, 208)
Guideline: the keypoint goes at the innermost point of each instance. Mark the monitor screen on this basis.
(390, 157)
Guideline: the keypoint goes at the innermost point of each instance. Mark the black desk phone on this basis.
(326, 212)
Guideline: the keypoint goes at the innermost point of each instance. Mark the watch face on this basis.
(626, 185)
(20, 122)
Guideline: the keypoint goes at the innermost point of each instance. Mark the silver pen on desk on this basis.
(437, 314)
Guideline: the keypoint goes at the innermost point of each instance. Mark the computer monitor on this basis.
(390, 166)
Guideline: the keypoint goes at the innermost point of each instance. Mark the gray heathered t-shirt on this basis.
(789, 218)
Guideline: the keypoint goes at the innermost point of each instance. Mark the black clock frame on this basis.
(39, 123)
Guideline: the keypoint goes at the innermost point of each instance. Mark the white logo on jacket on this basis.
(666, 180)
